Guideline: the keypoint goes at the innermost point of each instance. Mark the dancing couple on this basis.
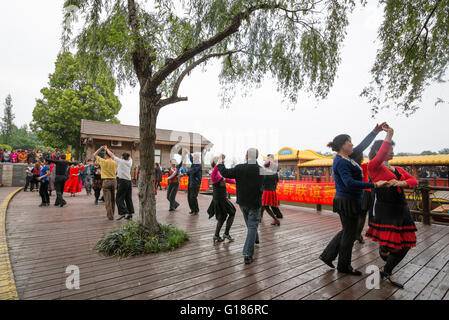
(390, 221)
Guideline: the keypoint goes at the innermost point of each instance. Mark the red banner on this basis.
(300, 191)
(184, 182)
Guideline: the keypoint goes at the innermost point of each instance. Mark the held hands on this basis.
(390, 183)
(396, 183)
(387, 129)
(379, 128)
(381, 183)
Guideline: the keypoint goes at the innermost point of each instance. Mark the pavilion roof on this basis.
(440, 159)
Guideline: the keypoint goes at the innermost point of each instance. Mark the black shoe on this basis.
(171, 210)
(248, 259)
(121, 217)
(353, 272)
(329, 263)
(42, 205)
(129, 217)
(390, 278)
(25, 190)
(383, 254)
(176, 206)
(218, 239)
(227, 236)
(96, 202)
(257, 242)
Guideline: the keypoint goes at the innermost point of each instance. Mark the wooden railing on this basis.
(425, 211)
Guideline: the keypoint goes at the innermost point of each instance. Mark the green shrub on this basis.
(134, 239)
(5, 146)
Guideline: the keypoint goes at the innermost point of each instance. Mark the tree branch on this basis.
(423, 27)
(174, 97)
(140, 58)
(188, 54)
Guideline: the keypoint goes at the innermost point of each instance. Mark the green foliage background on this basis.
(73, 93)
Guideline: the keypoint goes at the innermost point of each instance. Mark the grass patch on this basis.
(134, 239)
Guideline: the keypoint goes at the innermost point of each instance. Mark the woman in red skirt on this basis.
(269, 196)
(390, 224)
(73, 185)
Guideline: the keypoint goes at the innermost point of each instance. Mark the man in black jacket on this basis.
(195, 176)
(60, 178)
(249, 178)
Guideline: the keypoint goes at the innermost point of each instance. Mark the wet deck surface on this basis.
(44, 241)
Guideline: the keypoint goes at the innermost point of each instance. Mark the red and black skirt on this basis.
(269, 198)
(392, 225)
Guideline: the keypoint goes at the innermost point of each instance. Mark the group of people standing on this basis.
(30, 156)
(110, 174)
(377, 188)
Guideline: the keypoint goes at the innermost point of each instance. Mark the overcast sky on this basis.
(30, 35)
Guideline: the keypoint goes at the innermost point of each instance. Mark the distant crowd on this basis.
(31, 156)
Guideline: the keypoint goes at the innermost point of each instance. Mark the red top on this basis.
(377, 171)
(364, 167)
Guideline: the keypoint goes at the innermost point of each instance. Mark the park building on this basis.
(125, 138)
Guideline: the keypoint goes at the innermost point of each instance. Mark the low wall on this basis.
(12, 174)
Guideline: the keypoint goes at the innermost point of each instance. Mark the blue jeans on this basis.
(252, 219)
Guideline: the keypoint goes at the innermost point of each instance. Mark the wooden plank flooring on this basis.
(42, 242)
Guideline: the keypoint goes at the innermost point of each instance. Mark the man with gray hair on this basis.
(195, 175)
(249, 179)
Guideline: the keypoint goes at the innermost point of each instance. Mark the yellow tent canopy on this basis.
(436, 160)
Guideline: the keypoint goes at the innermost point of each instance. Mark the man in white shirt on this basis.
(124, 189)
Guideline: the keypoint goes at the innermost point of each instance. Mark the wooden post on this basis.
(318, 205)
(425, 202)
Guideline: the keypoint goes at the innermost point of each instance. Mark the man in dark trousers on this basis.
(124, 187)
(60, 178)
(249, 178)
(195, 174)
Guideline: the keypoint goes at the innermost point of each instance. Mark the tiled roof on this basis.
(89, 127)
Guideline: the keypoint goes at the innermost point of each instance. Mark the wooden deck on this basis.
(44, 241)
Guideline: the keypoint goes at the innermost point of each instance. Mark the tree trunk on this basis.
(147, 200)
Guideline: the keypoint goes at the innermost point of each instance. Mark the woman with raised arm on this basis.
(220, 206)
(391, 224)
(349, 186)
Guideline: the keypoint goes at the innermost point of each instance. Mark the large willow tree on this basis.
(295, 42)
(157, 43)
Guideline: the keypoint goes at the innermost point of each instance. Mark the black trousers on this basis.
(171, 195)
(97, 193)
(124, 197)
(28, 182)
(229, 223)
(342, 243)
(192, 197)
(59, 187)
(43, 192)
(34, 183)
(360, 225)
